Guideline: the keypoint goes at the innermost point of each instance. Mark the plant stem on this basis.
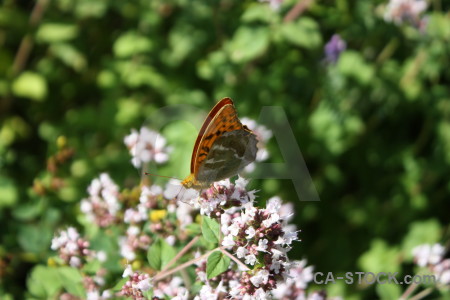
(297, 10)
(27, 42)
(164, 274)
(422, 294)
(181, 253)
(408, 291)
(234, 259)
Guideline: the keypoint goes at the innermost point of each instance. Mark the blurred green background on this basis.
(373, 127)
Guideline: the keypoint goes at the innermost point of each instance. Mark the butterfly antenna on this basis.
(146, 173)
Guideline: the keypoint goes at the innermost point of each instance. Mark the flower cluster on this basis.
(257, 239)
(71, 247)
(405, 11)
(133, 241)
(223, 195)
(294, 287)
(155, 213)
(432, 256)
(261, 238)
(136, 285)
(145, 146)
(102, 205)
(173, 288)
(147, 201)
(93, 285)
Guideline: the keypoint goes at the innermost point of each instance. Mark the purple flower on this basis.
(333, 48)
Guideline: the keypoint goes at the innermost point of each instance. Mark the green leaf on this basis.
(118, 286)
(193, 229)
(217, 264)
(380, 258)
(44, 282)
(159, 254)
(304, 33)
(352, 64)
(438, 26)
(421, 232)
(248, 43)
(127, 111)
(89, 8)
(388, 291)
(56, 32)
(28, 211)
(92, 266)
(210, 229)
(70, 56)
(35, 237)
(72, 281)
(131, 43)
(8, 191)
(30, 85)
(258, 12)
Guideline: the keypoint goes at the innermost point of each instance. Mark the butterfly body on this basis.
(224, 147)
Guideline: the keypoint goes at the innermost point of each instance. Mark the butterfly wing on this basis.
(222, 118)
(223, 147)
(228, 156)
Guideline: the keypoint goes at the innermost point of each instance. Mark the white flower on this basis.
(75, 261)
(127, 272)
(228, 241)
(273, 205)
(102, 256)
(250, 232)
(271, 220)
(442, 271)
(260, 294)
(225, 219)
(126, 250)
(241, 252)
(400, 11)
(260, 278)
(241, 183)
(72, 234)
(276, 253)
(133, 230)
(102, 205)
(250, 259)
(445, 277)
(428, 254)
(144, 284)
(234, 229)
(234, 288)
(183, 294)
(289, 236)
(93, 295)
(276, 265)
(262, 245)
(206, 293)
(171, 240)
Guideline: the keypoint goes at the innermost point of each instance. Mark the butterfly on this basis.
(224, 147)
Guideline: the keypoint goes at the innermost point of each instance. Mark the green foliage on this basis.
(159, 254)
(373, 128)
(44, 282)
(210, 230)
(217, 264)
